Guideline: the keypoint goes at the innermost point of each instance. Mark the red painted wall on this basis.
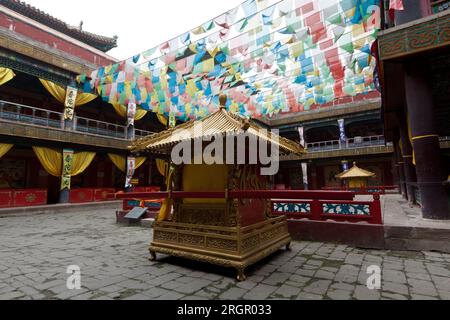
(41, 36)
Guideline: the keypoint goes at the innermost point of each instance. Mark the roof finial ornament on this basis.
(354, 163)
(223, 101)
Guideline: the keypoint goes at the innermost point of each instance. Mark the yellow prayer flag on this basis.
(357, 29)
(128, 89)
(191, 88)
(277, 22)
(208, 65)
(350, 13)
(198, 30)
(213, 52)
(297, 49)
(193, 47)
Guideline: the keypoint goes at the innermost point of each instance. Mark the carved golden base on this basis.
(226, 246)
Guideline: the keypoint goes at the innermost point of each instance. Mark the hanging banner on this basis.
(66, 168)
(131, 113)
(396, 5)
(69, 104)
(342, 136)
(301, 132)
(305, 174)
(131, 165)
(345, 165)
(172, 120)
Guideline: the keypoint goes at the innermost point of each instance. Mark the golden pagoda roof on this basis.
(220, 122)
(355, 172)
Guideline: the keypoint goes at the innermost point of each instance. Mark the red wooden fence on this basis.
(337, 210)
(10, 198)
(313, 205)
(363, 190)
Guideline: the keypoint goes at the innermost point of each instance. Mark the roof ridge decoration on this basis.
(99, 42)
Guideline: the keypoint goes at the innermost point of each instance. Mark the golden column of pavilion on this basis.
(212, 226)
(356, 177)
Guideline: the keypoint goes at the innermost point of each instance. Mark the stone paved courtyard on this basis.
(36, 251)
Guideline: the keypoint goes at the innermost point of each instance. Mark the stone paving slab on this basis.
(36, 252)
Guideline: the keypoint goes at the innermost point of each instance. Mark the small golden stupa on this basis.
(356, 177)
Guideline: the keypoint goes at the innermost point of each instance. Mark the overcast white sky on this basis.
(139, 24)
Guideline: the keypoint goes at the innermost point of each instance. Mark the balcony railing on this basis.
(99, 128)
(141, 133)
(439, 5)
(26, 114)
(50, 119)
(351, 143)
(414, 10)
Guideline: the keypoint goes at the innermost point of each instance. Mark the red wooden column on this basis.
(425, 142)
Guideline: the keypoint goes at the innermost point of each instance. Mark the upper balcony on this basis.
(50, 125)
(438, 6)
(351, 143)
(356, 146)
(422, 26)
(370, 145)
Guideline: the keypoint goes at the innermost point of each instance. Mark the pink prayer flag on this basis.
(396, 5)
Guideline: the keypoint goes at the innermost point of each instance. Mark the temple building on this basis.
(336, 136)
(414, 52)
(40, 57)
(347, 90)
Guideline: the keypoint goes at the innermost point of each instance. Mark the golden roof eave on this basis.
(220, 123)
(355, 172)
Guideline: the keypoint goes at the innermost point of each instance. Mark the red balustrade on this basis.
(337, 210)
(6, 198)
(85, 195)
(363, 190)
(103, 194)
(313, 205)
(10, 198)
(241, 194)
(82, 195)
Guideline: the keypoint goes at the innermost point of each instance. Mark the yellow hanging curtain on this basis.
(6, 75)
(162, 119)
(59, 93)
(4, 149)
(120, 161)
(121, 110)
(83, 98)
(140, 161)
(51, 160)
(167, 204)
(81, 161)
(161, 165)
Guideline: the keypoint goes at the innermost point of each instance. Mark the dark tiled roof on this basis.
(100, 42)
